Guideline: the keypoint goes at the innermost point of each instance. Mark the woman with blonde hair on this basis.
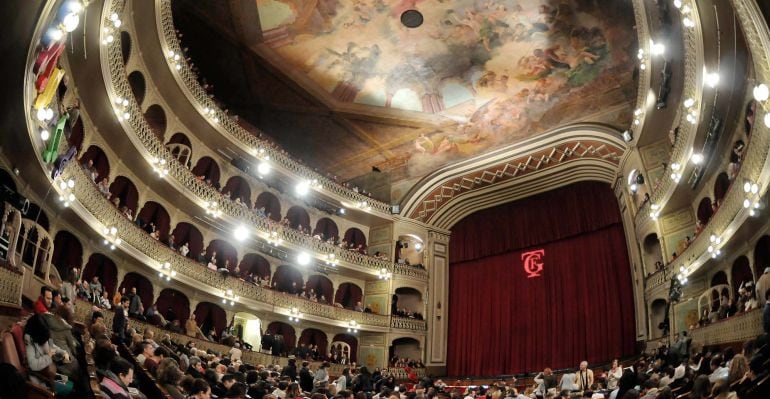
(738, 368)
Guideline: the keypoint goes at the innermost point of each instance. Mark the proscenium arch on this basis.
(577, 169)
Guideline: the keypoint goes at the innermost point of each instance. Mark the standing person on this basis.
(763, 284)
(342, 380)
(613, 375)
(291, 369)
(135, 309)
(584, 378)
(321, 378)
(120, 322)
(306, 377)
(96, 290)
(546, 382)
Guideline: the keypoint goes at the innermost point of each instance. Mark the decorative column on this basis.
(437, 300)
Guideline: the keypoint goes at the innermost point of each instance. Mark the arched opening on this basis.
(210, 316)
(721, 184)
(173, 305)
(652, 254)
(154, 215)
(761, 256)
(408, 303)
(96, 164)
(186, 233)
(321, 287)
(181, 148)
(409, 250)
(77, 132)
(67, 253)
(238, 189)
(313, 337)
(405, 348)
(298, 218)
(103, 267)
(34, 245)
(741, 274)
(326, 229)
(282, 336)
(125, 190)
(287, 279)
(350, 343)
(253, 263)
(37, 215)
(225, 254)
(355, 238)
(720, 278)
(125, 46)
(657, 317)
(156, 120)
(248, 328)
(207, 170)
(143, 287)
(348, 295)
(705, 210)
(137, 85)
(271, 205)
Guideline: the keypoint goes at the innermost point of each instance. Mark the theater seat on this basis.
(10, 355)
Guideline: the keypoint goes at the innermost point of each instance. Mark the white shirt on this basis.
(235, 354)
(279, 394)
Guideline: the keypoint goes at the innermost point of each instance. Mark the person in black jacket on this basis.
(363, 381)
(306, 377)
(291, 369)
(120, 322)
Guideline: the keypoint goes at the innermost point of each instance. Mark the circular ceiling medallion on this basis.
(411, 18)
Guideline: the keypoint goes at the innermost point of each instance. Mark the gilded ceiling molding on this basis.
(555, 151)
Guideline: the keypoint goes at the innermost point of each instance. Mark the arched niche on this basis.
(156, 120)
(327, 229)
(321, 285)
(104, 267)
(125, 46)
(67, 253)
(187, 233)
(96, 160)
(37, 215)
(153, 213)
(173, 305)
(271, 204)
(287, 333)
(77, 132)
(409, 300)
(298, 217)
(143, 286)
(248, 328)
(720, 278)
(207, 170)
(210, 315)
(238, 188)
(314, 336)
(225, 254)
(761, 255)
(406, 348)
(705, 210)
(138, 86)
(348, 340)
(124, 189)
(355, 237)
(721, 184)
(256, 264)
(657, 317)
(652, 254)
(741, 274)
(348, 294)
(409, 250)
(287, 279)
(181, 148)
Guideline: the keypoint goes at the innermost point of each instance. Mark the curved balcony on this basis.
(405, 323)
(238, 135)
(152, 148)
(692, 89)
(734, 329)
(135, 240)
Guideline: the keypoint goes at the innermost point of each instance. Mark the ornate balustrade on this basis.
(10, 286)
(189, 83)
(692, 89)
(400, 373)
(94, 202)
(659, 278)
(406, 323)
(140, 133)
(734, 329)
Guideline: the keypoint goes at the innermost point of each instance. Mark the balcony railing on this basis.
(247, 140)
(140, 133)
(95, 203)
(10, 285)
(405, 323)
(734, 329)
(660, 277)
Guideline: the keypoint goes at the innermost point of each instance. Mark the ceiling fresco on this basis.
(496, 72)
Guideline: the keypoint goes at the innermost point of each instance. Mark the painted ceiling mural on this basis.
(496, 71)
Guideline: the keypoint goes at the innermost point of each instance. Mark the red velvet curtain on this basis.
(209, 315)
(104, 267)
(348, 294)
(208, 168)
(253, 262)
(721, 185)
(177, 301)
(143, 287)
(124, 189)
(705, 210)
(271, 204)
(298, 217)
(312, 336)
(101, 163)
(322, 286)
(289, 335)
(153, 212)
(284, 276)
(355, 236)
(579, 308)
(187, 233)
(238, 188)
(350, 340)
(326, 228)
(225, 251)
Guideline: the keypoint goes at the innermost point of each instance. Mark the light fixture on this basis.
(294, 314)
(210, 112)
(697, 158)
(303, 258)
(70, 22)
(766, 119)
(331, 259)
(384, 274)
(159, 166)
(212, 209)
(55, 34)
(45, 135)
(166, 272)
(74, 7)
(688, 23)
(633, 187)
(302, 188)
(263, 168)
(111, 238)
(274, 238)
(66, 197)
(678, 4)
(342, 211)
(44, 114)
(418, 246)
(689, 102)
(364, 205)
(229, 296)
(116, 22)
(627, 136)
(122, 110)
(638, 116)
(241, 233)
(761, 92)
(712, 79)
(353, 326)
(657, 48)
